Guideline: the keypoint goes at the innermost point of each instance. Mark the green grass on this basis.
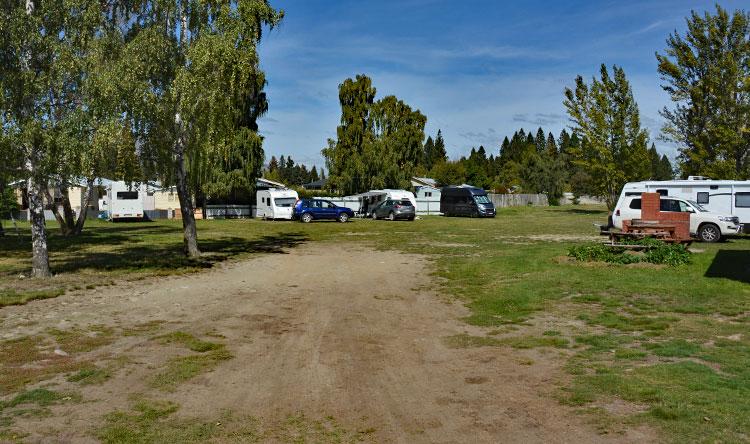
(672, 338)
(90, 375)
(183, 368)
(152, 421)
(189, 341)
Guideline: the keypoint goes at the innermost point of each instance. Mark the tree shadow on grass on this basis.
(731, 264)
(101, 235)
(169, 257)
(583, 211)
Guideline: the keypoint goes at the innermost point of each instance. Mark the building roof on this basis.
(316, 184)
(423, 181)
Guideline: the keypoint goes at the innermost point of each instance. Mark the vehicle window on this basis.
(405, 202)
(328, 205)
(284, 201)
(482, 199)
(742, 200)
(669, 205)
(683, 206)
(127, 195)
(316, 204)
(702, 198)
(663, 192)
(635, 204)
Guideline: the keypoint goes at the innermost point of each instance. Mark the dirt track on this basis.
(349, 333)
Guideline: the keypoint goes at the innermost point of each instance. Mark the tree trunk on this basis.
(84, 207)
(186, 205)
(68, 214)
(39, 254)
(2, 230)
(52, 207)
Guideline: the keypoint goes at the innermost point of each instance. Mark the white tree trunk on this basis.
(39, 254)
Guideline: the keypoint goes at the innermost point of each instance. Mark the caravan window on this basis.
(702, 198)
(742, 200)
(284, 201)
(663, 192)
(127, 195)
(635, 204)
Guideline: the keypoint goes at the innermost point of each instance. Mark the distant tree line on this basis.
(286, 171)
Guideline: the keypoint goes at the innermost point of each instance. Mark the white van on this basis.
(275, 203)
(729, 197)
(707, 226)
(123, 201)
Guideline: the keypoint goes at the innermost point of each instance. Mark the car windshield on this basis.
(284, 201)
(698, 206)
(482, 199)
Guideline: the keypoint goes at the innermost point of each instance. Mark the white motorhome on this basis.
(728, 197)
(123, 201)
(372, 198)
(275, 203)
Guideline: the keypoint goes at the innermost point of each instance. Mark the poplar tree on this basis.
(706, 72)
(614, 149)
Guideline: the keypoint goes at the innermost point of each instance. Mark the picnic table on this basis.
(643, 229)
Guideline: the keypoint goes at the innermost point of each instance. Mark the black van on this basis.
(465, 201)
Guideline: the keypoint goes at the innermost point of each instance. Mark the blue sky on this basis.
(478, 70)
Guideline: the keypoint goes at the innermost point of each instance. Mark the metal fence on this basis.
(228, 212)
(428, 207)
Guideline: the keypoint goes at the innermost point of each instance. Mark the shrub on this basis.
(658, 253)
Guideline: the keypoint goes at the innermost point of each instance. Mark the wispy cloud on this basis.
(540, 119)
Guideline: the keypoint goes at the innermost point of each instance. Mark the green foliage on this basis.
(658, 253)
(614, 146)
(378, 144)
(706, 74)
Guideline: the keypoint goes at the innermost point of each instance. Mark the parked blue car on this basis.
(308, 210)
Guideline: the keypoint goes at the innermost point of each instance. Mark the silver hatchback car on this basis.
(394, 209)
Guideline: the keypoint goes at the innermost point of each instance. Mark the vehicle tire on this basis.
(374, 216)
(391, 216)
(709, 233)
(343, 217)
(306, 218)
(411, 218)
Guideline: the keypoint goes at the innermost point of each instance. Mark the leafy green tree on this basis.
(195, 90)
(449, 173)
(614, 149)
(378, 145)
(44, 47)
(706, 73)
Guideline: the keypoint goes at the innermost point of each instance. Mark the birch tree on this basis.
(192, 77)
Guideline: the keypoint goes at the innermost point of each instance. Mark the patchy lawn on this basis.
(663, 346)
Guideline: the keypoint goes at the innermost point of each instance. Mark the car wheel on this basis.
(343, 217)
(411, 218)
(307, 218)
(391, 216)
(709, 233)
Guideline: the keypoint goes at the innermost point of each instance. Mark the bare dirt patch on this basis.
(319, 332)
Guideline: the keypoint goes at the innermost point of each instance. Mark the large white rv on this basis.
(275, 203)
(729, 197)
(123, 201)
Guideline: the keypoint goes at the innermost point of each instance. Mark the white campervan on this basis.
(372, 198)
(726, 197)
(123, 201)
(275, 203)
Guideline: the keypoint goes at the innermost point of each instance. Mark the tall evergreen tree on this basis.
(551, 146)
(706, 74)
(540, 141)
(429, 151)
(439, 153)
